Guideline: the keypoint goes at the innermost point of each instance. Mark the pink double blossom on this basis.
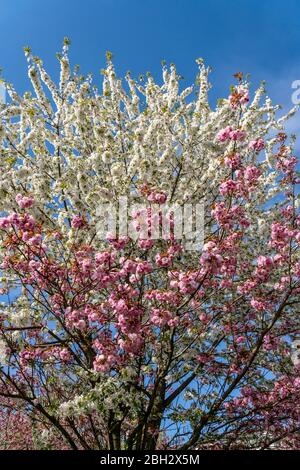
(257, 145)
(24, 202)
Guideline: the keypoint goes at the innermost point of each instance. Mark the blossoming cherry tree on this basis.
(135, 342)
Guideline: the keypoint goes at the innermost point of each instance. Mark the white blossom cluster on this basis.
(72, 147)
(3, 352)
(107, 395)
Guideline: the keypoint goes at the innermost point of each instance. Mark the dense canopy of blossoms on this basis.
(140, 343)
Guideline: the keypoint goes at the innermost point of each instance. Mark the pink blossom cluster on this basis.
(165, 259)
(287, 165)
(239, 96)
(149, 222)
(78, 222)
(211, 257)
(135, 267)
(185, 282)
(27, 356)
(245, 182)
(158, 197)
(272, 406)
(257, 145)
(280, 235)
(24, 202)
(259, 304)
(265, 265)
(24, 222)
(227, 217)
(229, 187)
(118, 243)
(163, 296)
(247, 286)
(146, 244)
(107, 358)
(230, 134)
(250, 174)
(233, 161)
(161, 317)
(203, 358)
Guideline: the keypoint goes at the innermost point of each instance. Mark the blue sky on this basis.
(258, 37)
